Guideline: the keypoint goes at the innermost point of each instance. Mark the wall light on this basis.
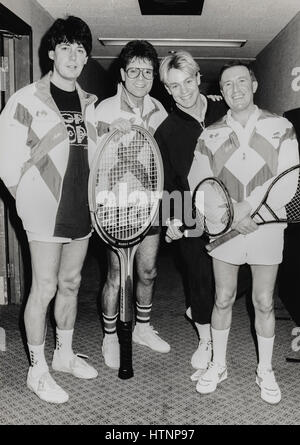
(229, 43)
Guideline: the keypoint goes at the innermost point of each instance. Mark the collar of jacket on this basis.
(43, 93)
(149, 106)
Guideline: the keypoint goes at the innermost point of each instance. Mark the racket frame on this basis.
(125, 249)
(233, 233)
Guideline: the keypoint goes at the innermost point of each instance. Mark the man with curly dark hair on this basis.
(48, 141)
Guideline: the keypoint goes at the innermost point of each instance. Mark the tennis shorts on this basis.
(52, 239)
(262, 247)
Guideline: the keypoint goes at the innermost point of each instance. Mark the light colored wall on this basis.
(35, 16)
(278, 70)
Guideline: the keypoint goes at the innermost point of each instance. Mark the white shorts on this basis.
(262, 247)
(52, 239)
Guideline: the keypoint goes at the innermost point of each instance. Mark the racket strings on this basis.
(127, 178)
(293, 207)
(213, 208)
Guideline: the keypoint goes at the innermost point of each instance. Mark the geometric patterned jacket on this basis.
(34, 151)
(247, 158)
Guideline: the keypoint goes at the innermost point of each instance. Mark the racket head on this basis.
(125, 186)
(212, 206)
(270, 210)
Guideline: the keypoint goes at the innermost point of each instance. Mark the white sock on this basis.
(265, 351)
(203, 331)
(37, 358)
(64, 343)
(220, 340)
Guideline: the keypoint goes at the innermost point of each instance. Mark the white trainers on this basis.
(202, 356)
(269, 389)
(111, 351)
(76, 366)
(196, 376)
(147, 336)
(46, 388)
(214, 375)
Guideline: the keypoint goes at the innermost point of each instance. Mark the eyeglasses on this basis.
(133, 73)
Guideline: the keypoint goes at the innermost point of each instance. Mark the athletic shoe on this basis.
(196, 376)
(269, 389)
(111, 351)
(147, 336)
(45, 387)
(76, 366)
(202, 356)
(214, 375)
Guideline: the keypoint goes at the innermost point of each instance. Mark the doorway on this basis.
(15, 72)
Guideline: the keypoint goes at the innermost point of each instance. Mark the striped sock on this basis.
(110, 323)
(143, 313)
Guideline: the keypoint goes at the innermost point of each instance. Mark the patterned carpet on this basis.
(161, 392)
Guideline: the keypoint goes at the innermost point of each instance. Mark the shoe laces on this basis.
(204, 345)
(149, 329)
(213, 369)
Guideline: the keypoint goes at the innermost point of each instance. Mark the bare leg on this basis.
(146, 258)
(45, 260)
(226, 284)
(69, 278)
(264, 278)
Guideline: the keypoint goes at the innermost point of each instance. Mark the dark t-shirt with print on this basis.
(73, 217)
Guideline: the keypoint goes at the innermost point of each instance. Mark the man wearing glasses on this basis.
(132, 105)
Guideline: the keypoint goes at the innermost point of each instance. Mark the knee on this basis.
(112, 284)
(148, 275)
(224, 299)
(68, 285)
(263, 303)
(44, 289)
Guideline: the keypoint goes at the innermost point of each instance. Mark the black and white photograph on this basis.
(149, 215)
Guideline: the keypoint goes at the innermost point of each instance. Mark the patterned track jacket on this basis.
(118, 106)
(248, 158)
(34, 151)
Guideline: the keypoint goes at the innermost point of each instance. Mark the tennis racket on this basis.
(125, 188)
(268, 211)
(212, 209)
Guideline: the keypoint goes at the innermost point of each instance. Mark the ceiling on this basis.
(257, 21)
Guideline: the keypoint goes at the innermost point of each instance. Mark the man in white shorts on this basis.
(246, 149)
(48, 140)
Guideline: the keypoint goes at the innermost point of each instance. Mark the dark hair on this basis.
(236, 63)
(140, 49)
(72, 30)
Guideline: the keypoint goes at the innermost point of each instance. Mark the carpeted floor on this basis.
(161, 392)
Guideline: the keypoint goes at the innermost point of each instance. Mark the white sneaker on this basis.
(202, 356)
(269, 389)
(111, 351)
(196, 376)
(46, 388)
(214, 375)
(147, 336)
(76, 366)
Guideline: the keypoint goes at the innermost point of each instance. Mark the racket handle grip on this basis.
(222, 239)
(125, 338)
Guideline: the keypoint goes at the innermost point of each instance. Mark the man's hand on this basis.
(173, 233)
(121, 124)
(240, 210)
(245, 226)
